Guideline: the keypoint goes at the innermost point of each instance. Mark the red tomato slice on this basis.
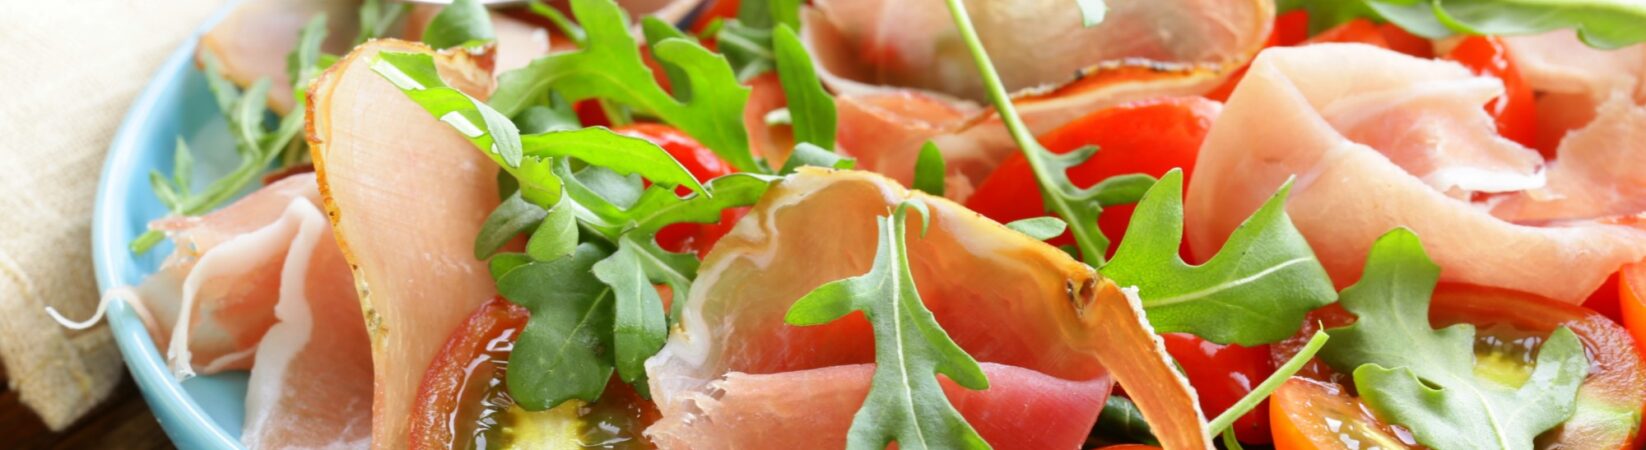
(1310, 415)
(1222, 375)
(703, 165)
(1632, 290)
(1516, 110)
(1150, 137)
(1355, 31)
(1508, 325)
(450, 397)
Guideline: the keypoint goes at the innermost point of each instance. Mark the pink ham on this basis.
(253, 40)
(734, 375)
(261, 284)
(406, 195)
(211, 302)
(311, 384)
(877, 53)
(1572, 79)
(1300, 111)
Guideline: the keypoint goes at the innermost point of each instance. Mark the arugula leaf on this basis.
(375, 19)
(811, 155)
(905, 403)
(568, 28)
(257, 146)
(503, 263)
(1121, 422)
(1225, 420)
(929, 171)
(462, 23)
(811, 109)
(1040, 228)
(556, 236)
(619, 153)
(747, 40)
(1264, 279)
(609, 67)
(639, 329)
(1078, 207)
(564, 352)
(513, 216)
(1092, 12)
(1422, 378)
(1605, 24)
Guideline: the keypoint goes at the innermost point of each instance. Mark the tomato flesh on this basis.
(1509, 328)
(1310, 415)
(1515, 111)
(704, 165)
(1632, 291)
(463, 401)
(1149, 137)
(1222, 375)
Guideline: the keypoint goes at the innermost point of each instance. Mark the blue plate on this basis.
(204, 412)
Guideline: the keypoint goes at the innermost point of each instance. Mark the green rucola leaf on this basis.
(376, 18)
(639, 325)
(1423, 379)
(1041, 228)
(564, 352)
(556, 236)
(490, 131)
(609, 67)
(811, 109)
(463, 23)
(624, 155)
(513, 216)
(502, 263)
(658, 208)
(1254, 291)
(929, 171)
(811, 155)
(565, 25)
(905, 403)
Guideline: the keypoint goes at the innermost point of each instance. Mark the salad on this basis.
(931, 224)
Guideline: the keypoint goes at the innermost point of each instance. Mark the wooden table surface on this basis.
(122, 423)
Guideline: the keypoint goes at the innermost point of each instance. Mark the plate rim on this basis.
(163, 393)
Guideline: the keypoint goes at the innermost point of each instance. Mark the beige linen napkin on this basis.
(68, 72)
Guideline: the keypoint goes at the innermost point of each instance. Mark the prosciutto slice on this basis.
(406, 195)
(877, 55)
(1049, 332)
(1573, 80)
(1301, 112)
(261, 284)
(253, 40)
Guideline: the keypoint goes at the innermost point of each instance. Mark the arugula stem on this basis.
(1262, 391)
(1032, 151)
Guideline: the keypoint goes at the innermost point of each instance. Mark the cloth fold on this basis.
(70, 71)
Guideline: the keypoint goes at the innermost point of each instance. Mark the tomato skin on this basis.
(1222, 375)
(1632, 293)
(1360, 31)
(1516, 111)
(1313, 415)
(1617, 378)
(703, 165)
(450, 384)
(1291, 28)
(1149, 137)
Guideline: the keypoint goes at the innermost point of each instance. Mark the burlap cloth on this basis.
(68, 72)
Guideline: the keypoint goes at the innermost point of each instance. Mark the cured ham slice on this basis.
(1597, 174)
(253, 40)
(876, 54)
(311, 384)
(261, 284)
(1288, 118)
(1573, 80)
(211, 302)
(734, 375)
(406, 195)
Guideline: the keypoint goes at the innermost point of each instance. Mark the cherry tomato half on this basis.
(1632, 290)
(1222, 375)
(1516, 110)
(703, 165)
(1310, 415)
(1149, 137)
(1509, 326)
